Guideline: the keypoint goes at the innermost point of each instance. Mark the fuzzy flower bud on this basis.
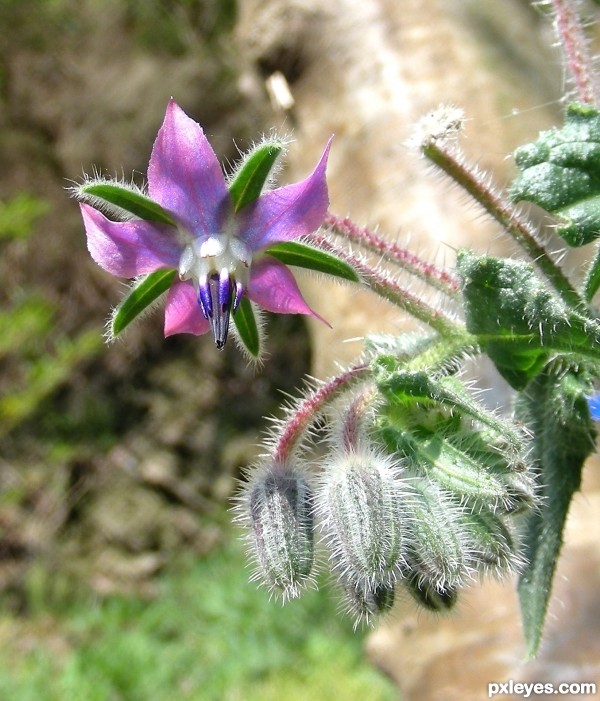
(439, 540)
(493, 547)
(437, 599)
(366, 601)
(277, 507)
(360, 506)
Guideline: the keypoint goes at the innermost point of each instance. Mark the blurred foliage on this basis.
(206, 636)
(171, 25)
(37, 358)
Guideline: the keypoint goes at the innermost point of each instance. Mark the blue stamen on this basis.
(239, 291)
(215, 297)
(204, 298)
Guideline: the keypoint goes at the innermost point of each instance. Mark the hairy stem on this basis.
(520, 230)
(384, 285)
(574, 44)
(309, 408)
(440, 279)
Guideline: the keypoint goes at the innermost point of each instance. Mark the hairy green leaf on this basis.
(554, 408)
(561, 173)
(517, 320)
(247, 328)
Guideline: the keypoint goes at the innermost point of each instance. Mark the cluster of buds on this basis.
(420, 491)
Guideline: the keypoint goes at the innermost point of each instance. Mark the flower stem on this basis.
(521, 231)
(353, 419)
(383, 284)
(440, 279)
(574, 44)
(305, 413)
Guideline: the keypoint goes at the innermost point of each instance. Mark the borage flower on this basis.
(215, 241)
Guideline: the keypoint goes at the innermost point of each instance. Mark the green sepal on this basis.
(441, 391)
(439, 431)
(253, 172)
(554, 408)
(106, 195)
(517, 320)
(247, 328)
(143, 292)
(561, 173)
(304, 256)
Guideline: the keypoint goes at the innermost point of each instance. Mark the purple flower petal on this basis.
(127, 249)
(274, 288)
(288, 212)
(184, 175)
(182, 311)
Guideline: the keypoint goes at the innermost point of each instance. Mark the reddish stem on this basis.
(392, 251)
(572, 38)
(308, 410)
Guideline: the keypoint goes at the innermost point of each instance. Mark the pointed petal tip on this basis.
(273, 287)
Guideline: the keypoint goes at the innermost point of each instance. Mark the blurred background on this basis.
(121, 577)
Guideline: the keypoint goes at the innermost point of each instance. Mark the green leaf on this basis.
(561, 173)
(143, 292)
(303, 256)
(592, 278)
(124, 198)
(554, 408)
(247, 328)
(252, 174)
(518, 321)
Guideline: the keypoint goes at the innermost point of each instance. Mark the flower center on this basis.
(218, 266)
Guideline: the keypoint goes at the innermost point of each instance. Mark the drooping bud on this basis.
(277, 507)
(437, 556)
(360, 503)
(438, 599)
(366, 601)
(493, 547)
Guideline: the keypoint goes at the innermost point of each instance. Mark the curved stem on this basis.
(504, 213)
(309, 408)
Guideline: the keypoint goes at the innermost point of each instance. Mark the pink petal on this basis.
(274, 288)
(288, 212)
(184, 174)
(182, 311)
(129, 248)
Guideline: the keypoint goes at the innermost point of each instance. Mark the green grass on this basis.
(208, 635)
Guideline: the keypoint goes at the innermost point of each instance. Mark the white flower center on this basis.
(218, 266)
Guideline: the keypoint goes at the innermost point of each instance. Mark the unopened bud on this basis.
(437, 556)
(438, 599)
(366, 601)
(493, 548)
(360, 502)
(520, 493)
(278, 508)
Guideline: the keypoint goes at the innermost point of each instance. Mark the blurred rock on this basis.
(453, 658)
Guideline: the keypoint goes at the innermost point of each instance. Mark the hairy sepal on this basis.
(142, 294)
